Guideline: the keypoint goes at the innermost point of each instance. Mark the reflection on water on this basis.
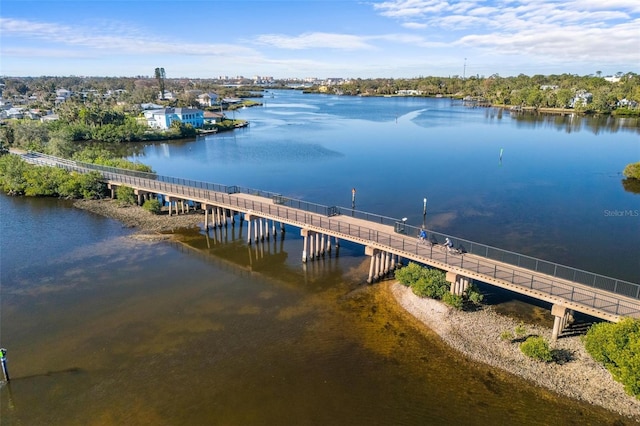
(518, 182)
(113, 330)
(572, 122)
(631, 185)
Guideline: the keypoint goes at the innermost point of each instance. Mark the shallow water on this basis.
(105, 329)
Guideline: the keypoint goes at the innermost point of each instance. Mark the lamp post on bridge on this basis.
(353, 201)
(424, 213)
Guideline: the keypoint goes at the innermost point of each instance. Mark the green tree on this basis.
(125, 195)
(632, 171)
(424, 282)
(152, 206)
(160, 76)
(6, 138)
(61, 143)
(12, 174)
(30, 135)
(537, 347)
(92, 185)
(617, 347)
(44, 180)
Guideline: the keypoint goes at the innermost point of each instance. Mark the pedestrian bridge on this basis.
(388, 241)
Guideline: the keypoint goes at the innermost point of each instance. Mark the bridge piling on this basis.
(593, 294)
(458, 284)
(559, 313)
(305, 241)
(248, 219)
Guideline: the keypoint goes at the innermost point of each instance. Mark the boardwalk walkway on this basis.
(574, 289)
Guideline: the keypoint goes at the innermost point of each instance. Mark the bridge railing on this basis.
(113, 173)
(406, 242)
(518, 276)
(534, 264)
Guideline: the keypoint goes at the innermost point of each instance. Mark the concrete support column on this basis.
(317, 252)
(376, 275)
(560, 314)
(248, 219)
(256, 223)
(313, 247)
(206, 217)
(305, 235)
(458, 283)
(322, 244)
(370, 251)
(387, 263)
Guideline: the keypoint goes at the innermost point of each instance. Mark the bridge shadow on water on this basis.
(532, 311)
(277, 258)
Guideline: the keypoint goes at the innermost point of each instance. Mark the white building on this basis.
(162, 118)
(207, 99)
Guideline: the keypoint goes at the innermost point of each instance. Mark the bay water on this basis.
(106, 329)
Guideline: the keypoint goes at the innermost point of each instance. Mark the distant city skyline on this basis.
(319, 39)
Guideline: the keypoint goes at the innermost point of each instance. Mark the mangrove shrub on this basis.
(632, 170)
(125, 195)
(537, 347)
(152, 206)
(617, 347)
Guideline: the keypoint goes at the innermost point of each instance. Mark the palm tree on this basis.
(160, 76)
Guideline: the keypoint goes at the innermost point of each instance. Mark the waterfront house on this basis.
(207, 99)
(162, 118)
(213, 117)
(145, 107)
(582, 98)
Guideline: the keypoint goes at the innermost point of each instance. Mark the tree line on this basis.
(537, 91)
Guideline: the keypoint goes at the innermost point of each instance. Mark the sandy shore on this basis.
(475, 334)
(145, 223)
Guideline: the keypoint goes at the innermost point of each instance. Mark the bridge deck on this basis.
(547, 287)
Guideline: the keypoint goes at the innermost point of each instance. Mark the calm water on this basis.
(105, 329)
(557, 194)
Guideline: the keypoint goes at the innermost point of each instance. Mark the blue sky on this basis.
(318, 38)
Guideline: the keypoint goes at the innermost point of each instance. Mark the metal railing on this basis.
(527, 271)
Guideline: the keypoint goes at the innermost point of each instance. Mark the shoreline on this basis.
(474, 334)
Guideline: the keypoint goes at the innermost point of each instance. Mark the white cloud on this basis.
(414, 25)
(314, 40)
(108, 40)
